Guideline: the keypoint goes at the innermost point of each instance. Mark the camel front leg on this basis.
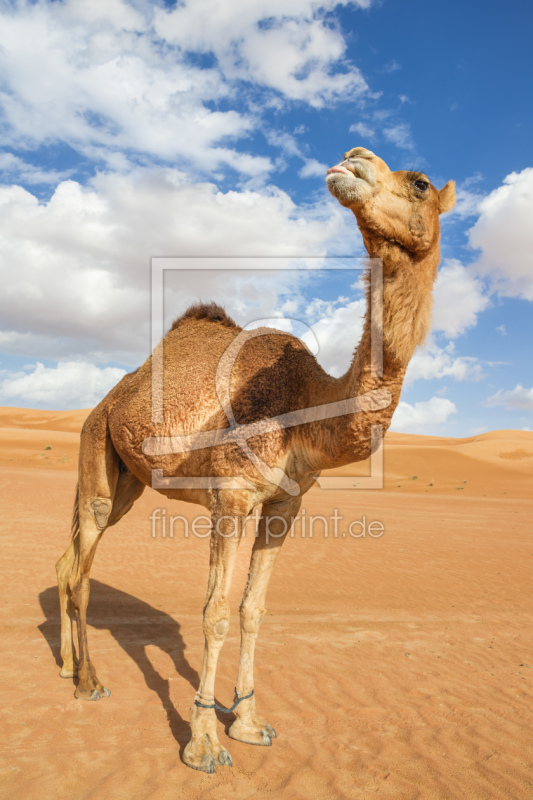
(276, 521)
(204, 750)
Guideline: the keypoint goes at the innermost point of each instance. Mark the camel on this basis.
(272, 374)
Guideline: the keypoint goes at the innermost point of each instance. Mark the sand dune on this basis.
(399, 667)
(40, 438)
(495, 464)
(492, 464)
(29, 418)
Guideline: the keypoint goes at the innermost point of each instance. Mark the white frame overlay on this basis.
(240, 433)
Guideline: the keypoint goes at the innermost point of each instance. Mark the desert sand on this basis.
(398, 666)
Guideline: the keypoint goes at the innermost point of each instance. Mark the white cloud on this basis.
(115, 78)
(391, 66)
(423, 417)
(466, 205)
(285, 141)
(458, 299)
(432, 361)
(313, 169)
(290, 146)
(244, 36)
(75, 269)
(363, 130)
(337, 327)
(69, 385)
(399, 135)
(504, 235)
(14, 167)
(102, 82)
(517, 398)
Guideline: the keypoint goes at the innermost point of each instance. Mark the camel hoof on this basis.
(107, 693)
(249, 734)
(207, 765)
(86, 694)
(224, 758)
(271, 732)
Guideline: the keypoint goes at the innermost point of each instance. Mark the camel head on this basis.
(401, 207)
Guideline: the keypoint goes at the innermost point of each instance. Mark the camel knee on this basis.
(101, 508)
(221, 627)
(216, 621)
(251, 617)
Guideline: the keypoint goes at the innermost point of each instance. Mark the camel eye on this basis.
(422, 186)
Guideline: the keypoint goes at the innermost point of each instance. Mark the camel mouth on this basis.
(339, 168)
(353, 168)
(351, 181)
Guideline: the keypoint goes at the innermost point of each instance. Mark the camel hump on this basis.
(209, 311)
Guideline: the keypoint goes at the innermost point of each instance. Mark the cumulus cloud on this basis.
(313, 169)
(363, 130)
(14, 168)
(399, 135)
(243, 36)
(458, 299)
(116, 77)
(136, 85)
(337, 326)
(75, 269)
(423, 417)
(466, 204)
(504, 235)
(385, 124)
(517, 398)
(69, 385)
(101, 82)
(432, 361)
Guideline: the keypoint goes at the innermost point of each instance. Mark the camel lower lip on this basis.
(339, 168)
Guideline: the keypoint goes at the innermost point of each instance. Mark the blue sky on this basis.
(132, 130)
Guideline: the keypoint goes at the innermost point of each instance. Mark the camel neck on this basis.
(397, 319)
(392, 330)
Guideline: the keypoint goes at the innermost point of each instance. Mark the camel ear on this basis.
(447, 197)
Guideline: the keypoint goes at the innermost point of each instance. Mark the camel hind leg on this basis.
(64, 566)
(128, 490)
(99, 474)
(93, 522)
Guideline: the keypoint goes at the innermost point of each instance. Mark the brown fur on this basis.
(273, 374)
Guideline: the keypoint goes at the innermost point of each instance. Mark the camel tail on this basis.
(75, 527)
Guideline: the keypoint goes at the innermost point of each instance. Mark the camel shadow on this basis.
(134, 624)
